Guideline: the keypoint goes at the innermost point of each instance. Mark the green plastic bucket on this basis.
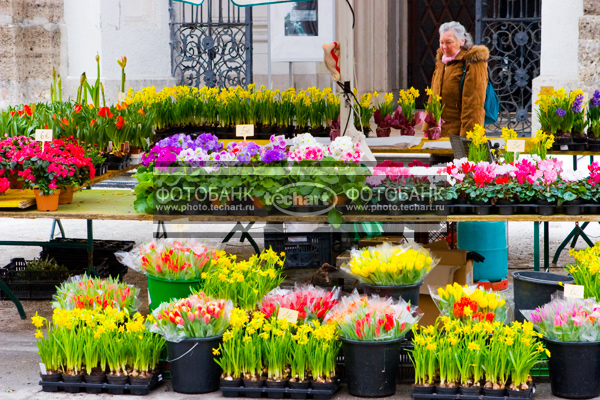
(490, 239)
(161, 290)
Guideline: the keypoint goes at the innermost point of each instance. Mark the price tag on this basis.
(43, 135)
(121, 97)
(574, 291)
(244, 131)
(180, 225)
(290, 316)
(546, 90)
(110, 146)
(515, 146)
(43, 369)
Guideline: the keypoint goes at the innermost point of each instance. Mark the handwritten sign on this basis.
(515, 146)
(574, 291)
(290, 316)
(547, 90)
(180, 225)
(121, 97)
(43, 135)
(43, 369)
(244, 131)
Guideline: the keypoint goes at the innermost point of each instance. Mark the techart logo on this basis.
(304, 198)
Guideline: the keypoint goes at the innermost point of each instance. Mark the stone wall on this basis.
(589, 46)
(31, 34)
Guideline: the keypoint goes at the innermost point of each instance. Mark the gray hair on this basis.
(459, 32)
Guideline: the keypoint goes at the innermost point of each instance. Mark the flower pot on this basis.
(593, 144)
(434, 133)
(546, 207)
(409, 293)
(470, 391)
(483, 207)
(563, 138)
(73, 383)
(328, 389)
(505, 207)
(520, 394)
(117, 380)
(96, 380)
(410, 131)
(143, 383)
(192, 365)
(254, 390)
(230, 383)
(46, 202)
(535, 288)
(371, 366)
(446, 390)
(55, 377)
(574, 369)
(423, 389)
(383, 132)
(136, 158)
(440, 207)
(298, 386)
(572, 207)
(161, 290)
(275, 394)
(493, 392)
(66, 195)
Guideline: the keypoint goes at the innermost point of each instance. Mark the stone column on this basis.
(31, 45)
(559, 61)
(589, 47)
(137, 29)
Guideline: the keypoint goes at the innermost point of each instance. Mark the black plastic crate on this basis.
(31, 285)
(280, 393)
(77, 387)
(315, 250)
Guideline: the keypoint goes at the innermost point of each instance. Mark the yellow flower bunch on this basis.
(541, 143)
(406, 99)
(389, 265)
(477, 135)
(586, 271)
(509, 134)
(478, 150)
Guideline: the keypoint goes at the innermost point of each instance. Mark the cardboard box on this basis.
(453, 267)
(376, 241)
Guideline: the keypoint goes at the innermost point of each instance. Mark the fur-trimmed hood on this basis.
(476, 53)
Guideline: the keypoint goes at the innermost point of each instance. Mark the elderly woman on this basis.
(457, 54)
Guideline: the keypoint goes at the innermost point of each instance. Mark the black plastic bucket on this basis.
(192, 365)
(534, 288)
(371, 366)
(574, 369)
(409, 293)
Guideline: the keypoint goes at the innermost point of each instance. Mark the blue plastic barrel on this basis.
(490, 239)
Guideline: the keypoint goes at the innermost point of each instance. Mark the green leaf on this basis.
(140, 205)
(334, 217)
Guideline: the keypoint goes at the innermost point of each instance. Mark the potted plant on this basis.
(252, 354)
(277, 338)
(524, 353)
(509, 134)
(371, 329)
(593, 122)
(229, 354)
(363, 113)
(585, 268)
(478, 147)
(433, 119)
(579, 121)
(383, 114)
(405, 118)
(424, 358)
(391, 270)
(196, 322)
(51, 355)
(322, 349)
(572, 336)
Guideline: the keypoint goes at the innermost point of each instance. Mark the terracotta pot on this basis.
(66, 195)
(136, 150)
(46, 203)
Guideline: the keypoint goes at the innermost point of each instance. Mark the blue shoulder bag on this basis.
(491, 105)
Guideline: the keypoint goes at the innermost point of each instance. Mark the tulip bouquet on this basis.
(176, 260)
(196, 316)
(470, 303)
(244, 282)
(91, 293)
(372, 318)
(310, 302)
(586, 271)
(567, 320)
(391, 265)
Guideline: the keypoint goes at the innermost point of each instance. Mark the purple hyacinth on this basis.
(595, 101)
(577, 105)
(560, 112)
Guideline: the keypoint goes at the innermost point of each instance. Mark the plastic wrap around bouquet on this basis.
(310, 302)
(390, 270)
(89, 293)
(173, 267)
(471, 303)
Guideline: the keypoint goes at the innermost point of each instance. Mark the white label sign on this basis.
(121, 97)
(43, 135)
(43, 369)
(574, 291)
(291, 316)
(244, 131)
(180, 225)
(515, 146)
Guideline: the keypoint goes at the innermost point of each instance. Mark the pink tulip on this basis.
(207, 318)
